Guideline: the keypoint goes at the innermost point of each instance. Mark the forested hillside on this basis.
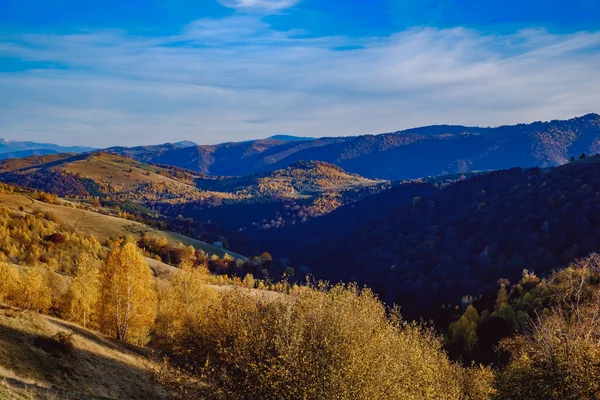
(424, 244)
(408, 154)
(241, 335)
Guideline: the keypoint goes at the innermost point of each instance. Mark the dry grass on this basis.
(103, 226)
(13, 164)
(97, 368)
(122, 173)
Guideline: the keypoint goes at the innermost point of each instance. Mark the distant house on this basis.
(218, 244)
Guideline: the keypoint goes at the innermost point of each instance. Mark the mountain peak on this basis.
(589, 116)
(185, 143)
(290, 138)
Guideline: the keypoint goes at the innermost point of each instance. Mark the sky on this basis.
(136, 72)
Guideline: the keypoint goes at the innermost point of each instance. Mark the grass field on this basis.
(121, 172)
(103, 226)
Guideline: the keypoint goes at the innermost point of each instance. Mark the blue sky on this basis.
(149, 71)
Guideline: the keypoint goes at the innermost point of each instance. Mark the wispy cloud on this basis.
(268, 6)
(238, 78)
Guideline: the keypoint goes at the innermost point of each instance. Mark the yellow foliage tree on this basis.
(321, 343)
(84, 291)
(9, 278)
(463, 333)
(184, 301)
(128, 303)
(559, 356)
(34, 291)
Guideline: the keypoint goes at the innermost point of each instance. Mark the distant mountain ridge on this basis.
(412, 153)
(290, 138)
(17, 149)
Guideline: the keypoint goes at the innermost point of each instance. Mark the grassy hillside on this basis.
(34, 365)
(99, 225)
(306, 178)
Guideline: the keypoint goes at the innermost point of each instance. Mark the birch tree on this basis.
(127, 296)
(84, 291)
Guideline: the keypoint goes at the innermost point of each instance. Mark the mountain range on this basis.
(408, 154)
(16, 149)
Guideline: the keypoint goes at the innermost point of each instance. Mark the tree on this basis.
(463, 333)
(183, 302)
(84, 291)
(127, 296)
(9, 278)
(34, 291)
(557, 357)
(322, 343)
(501, 299)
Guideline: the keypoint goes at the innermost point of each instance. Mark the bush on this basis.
(65, 341)
(558, 357)
(320, 343)
(58, 345)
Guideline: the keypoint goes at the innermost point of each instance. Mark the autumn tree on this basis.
(183, 301)
(34, 290)
(127, 306)
(463, 332)
(503, 309)
(9, 278)
(558, 357)
(321, 343)
(83, 293)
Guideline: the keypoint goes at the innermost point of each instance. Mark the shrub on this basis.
(558, 357)
(320, 343)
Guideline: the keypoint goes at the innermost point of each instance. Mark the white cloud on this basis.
(237, 78)
(268, 6)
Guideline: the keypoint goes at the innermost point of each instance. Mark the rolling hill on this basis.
(103, 226)
(408, 154)
(218, 204)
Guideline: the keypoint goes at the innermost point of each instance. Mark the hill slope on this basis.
(103, 226)
(33, 365)
(412, 153)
